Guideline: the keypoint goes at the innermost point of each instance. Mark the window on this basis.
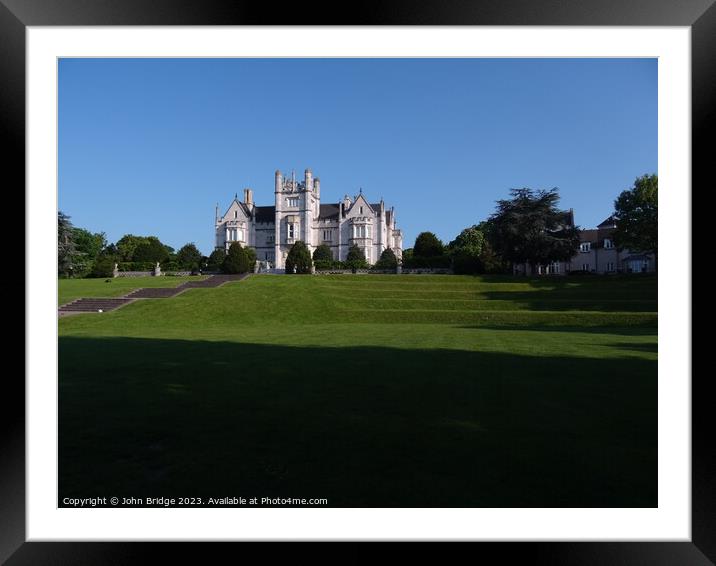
(292, 201)
(291, 231)
(367, 232)
(236, 213)
(585, 247)
(610, 266)
(269, 239)
(240, 235)
(585, 267)
(327, 235)
(361, 210)
(608, 245)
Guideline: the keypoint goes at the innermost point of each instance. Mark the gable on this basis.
(355, 209)
(236, 211)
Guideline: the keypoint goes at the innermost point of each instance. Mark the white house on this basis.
(298, 214)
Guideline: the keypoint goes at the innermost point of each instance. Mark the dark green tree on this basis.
(427, 245)
(103, 266)
(530, 228)
(250, 259)
(216, 259)
(189, 257)
(236, 260)
(126, 246)
(356, 258)
(151, 250)
(66, 250)
(465, 251)
(636, 218)
(322, 253)
(298, 259)
(387, 260)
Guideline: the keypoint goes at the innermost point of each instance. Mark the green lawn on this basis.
(369, 391)
(71, 289)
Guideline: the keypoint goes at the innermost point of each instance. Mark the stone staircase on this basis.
(109, 304)
(93, 305)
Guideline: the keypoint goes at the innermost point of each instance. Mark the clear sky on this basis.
(149, 146)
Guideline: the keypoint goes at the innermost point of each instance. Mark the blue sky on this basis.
(149, 146)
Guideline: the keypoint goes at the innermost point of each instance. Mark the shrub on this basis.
(323, 254)
(356, 258)
(298, 259)
(236, 261)
(427, 245)
(103, 267)
(465, 262)
(188, 257)
(216, 259)
(387, 260)
(250, 259)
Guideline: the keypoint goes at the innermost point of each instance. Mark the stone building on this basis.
(597, 253)
(297, 214)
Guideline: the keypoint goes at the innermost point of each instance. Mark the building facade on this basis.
(597, 253)
(297, 214)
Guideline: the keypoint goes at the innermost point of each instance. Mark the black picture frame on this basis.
(17, 15)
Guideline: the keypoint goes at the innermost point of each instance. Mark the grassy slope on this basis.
(71, 289)
(370, 390)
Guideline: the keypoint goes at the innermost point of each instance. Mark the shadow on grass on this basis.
(362, 427)
(645, 329)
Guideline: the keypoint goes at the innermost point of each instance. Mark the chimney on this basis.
(248, 196)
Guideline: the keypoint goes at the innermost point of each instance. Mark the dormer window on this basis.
(585, 246)
(608, 244)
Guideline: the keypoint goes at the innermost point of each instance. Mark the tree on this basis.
(427, 244)
(250, 259)
(236, 260)
(151, 250)
(635, 215)
(322, 253)
(126, 246)
(66, 250)
(298, 259)
(189, 257)
(103, 266)
(465, 251)
(216, 259)
(356, 258)
(387, 260)
(529, 228)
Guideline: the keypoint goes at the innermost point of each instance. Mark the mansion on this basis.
(297, 214)
(597, 253)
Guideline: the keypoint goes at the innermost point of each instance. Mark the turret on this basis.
(278, 181)
(308, 179)
(248, 196)
(317, 187)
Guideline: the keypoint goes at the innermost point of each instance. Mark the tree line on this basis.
(527, 228)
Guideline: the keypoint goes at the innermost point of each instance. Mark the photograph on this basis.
(357, 282)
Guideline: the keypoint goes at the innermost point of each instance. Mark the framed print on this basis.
(474, 346)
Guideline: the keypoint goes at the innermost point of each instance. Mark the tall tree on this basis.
(387, 260)
(356, 258)
(298, 259)
(189, 257)
(530, 228)
(427, 244)
(66, 249)
(216, 259)
(236, 260)
(465, 251)
(127, 244)
(151, 250)
(322, 253)
(635, 214)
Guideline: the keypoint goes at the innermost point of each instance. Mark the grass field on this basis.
(368, 391)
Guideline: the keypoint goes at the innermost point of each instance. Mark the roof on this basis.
(588, 235)
(608, 223)
(266, 214)
(328, 212)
